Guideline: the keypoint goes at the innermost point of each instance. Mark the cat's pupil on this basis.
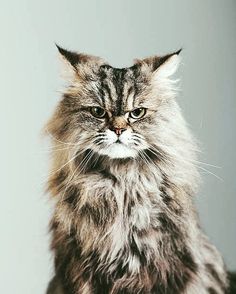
(137, 112)
(97, 112)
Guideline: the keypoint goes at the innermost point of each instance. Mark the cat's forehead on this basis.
(118, 75)
(118, 87)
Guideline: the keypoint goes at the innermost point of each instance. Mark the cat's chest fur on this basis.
(124, 229)
(118, 215)
(131, 197)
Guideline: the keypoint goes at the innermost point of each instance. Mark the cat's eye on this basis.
(98, 112)
(137, 113)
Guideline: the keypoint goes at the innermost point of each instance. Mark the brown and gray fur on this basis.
(124, 218)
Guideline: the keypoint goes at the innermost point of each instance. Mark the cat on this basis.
(123, 178)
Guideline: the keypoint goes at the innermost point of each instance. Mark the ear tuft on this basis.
(178, 52)
(169, 66)
(157, 63)
(72, 57)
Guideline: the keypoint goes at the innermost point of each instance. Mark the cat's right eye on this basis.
(98, 112)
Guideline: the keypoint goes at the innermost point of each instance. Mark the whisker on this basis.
(59, 169)
(87, 158)
(68, 183)
(70, 147)
(211, 173)
(208, 164)
(158, 154)
(72, 176)
(54, 150)
(142, 155)
(152, 161)
(193, 162)
(54, 138)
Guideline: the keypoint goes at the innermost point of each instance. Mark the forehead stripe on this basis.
(118, 81)
(118, 87)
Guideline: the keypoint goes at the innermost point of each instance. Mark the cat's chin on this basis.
(118, 150)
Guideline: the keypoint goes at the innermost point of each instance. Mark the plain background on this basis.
(118, 31)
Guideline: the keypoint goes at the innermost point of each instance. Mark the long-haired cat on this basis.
(123, 178)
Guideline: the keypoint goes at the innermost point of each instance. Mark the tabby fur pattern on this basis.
(124, 220)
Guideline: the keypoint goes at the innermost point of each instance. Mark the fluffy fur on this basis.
(124, 219)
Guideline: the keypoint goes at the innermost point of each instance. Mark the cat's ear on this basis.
(161, 66)
(79, 63)
(72, 58)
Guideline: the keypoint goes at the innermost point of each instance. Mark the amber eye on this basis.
(137, 113)
(98, 112)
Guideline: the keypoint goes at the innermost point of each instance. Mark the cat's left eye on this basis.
(137, 113)
(98, 112)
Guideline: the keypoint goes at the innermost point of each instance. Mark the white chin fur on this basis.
(118, 150)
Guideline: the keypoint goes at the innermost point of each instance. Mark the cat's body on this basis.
(124, 219)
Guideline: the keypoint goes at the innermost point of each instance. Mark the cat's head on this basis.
(117, 112)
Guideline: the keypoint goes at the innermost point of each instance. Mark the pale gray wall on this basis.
(118, 31)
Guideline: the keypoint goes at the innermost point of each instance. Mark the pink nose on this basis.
(118, 131)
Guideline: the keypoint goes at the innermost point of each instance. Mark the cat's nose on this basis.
(118, 131)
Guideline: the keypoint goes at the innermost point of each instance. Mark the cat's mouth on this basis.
(125, 145)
